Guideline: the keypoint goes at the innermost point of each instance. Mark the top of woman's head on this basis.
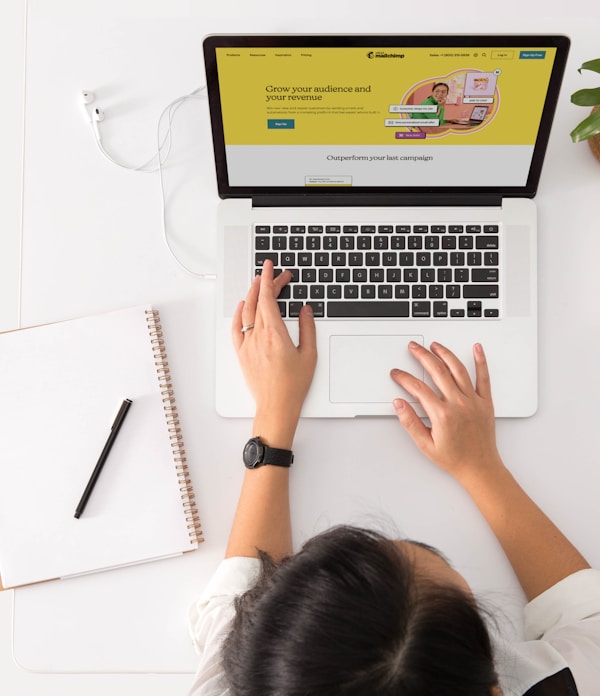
(348, 615)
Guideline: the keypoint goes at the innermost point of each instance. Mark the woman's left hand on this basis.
(278, 373)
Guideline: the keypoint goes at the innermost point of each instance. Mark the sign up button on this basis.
(532, 55)
(280, 123)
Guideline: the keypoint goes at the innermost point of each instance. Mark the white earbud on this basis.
(86, 98)
(97, 116)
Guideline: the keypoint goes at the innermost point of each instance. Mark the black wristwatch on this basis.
(256, 454)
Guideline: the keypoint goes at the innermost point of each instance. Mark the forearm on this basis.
(262, 519)
(538, 551)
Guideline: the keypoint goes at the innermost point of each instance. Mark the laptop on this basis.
(335, 160)
(476, 118)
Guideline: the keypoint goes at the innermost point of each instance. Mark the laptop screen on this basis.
(377, 113)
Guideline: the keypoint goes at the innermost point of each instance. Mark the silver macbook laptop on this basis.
(343, 159)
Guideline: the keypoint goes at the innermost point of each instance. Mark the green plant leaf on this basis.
(586, 97)
(593, 65)
(587, 128)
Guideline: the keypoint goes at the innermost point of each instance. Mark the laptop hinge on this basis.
(387, 200)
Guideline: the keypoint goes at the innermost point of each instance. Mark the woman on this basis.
(438, 96)
(356, 613)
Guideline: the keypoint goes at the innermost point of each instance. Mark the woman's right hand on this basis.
(462, 436)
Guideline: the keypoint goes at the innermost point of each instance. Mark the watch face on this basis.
(253, 453)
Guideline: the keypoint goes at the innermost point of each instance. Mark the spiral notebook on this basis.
(61, 385)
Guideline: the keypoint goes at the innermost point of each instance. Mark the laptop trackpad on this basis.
(359, 368)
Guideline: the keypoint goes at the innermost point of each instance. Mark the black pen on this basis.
(114, 431)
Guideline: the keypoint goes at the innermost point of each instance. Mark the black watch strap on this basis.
(257, 454)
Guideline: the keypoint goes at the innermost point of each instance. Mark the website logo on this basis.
(384, 54)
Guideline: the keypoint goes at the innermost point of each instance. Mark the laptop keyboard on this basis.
(401, 271)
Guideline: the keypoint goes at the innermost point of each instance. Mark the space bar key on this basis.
(367, 309)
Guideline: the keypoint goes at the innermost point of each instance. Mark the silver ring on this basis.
(247, 327)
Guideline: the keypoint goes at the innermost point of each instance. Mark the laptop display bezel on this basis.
(349, 195)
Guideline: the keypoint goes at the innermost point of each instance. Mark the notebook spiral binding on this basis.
(175, 436)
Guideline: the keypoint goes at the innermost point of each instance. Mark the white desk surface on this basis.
(91, 241)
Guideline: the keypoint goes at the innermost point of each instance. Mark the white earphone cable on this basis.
(149, 167)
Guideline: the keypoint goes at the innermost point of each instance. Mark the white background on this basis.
(94, 242)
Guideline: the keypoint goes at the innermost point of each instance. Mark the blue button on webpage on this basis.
(532, 55)
(280, 123)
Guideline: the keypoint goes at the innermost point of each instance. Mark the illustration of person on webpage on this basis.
(438, 97)
(460, 101)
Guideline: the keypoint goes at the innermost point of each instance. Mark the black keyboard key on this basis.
(465, 242)
(355, 258)
(363, 243)
(367, 229)
(334, 292)
(317, 292)
(359, 275)
(415, 242)
(490, 242)
(313, 243)
(368, 292)
(482, 291)
(342, 275)
(490, 258)
(305, 259)
(484, 275)
(458, 313)
(385, 292)
(330, 242)
(398, 243)
(298, 229)
(260, 258)
(419, 292)
(421, 310)
(351, 292)
(402, 292)
(474, 229)
(338, 258)
(350, 229)
(474, 258)
(262, 229)
(456, 229)
(280, 229)
(438, 229)
(490, 229)
(449, 242)
(385, 229)
(300, 292)
(309, 275)
(333, 229)
(421, 229)
(436, 292)
(368, 309)
(288, 258)
(347, 243)
(325, 275)
(373, 258)
(315, 229)
(294, 309)
(282, 309)
(402, 229)
(432, 243)
(389, 258)
(318, 308)
(321, 258)
(262, 243)
(440, 310)
(296, 243)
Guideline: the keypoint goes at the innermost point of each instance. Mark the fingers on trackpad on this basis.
(359, 368)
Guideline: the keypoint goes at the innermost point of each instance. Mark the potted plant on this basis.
(589, 128)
